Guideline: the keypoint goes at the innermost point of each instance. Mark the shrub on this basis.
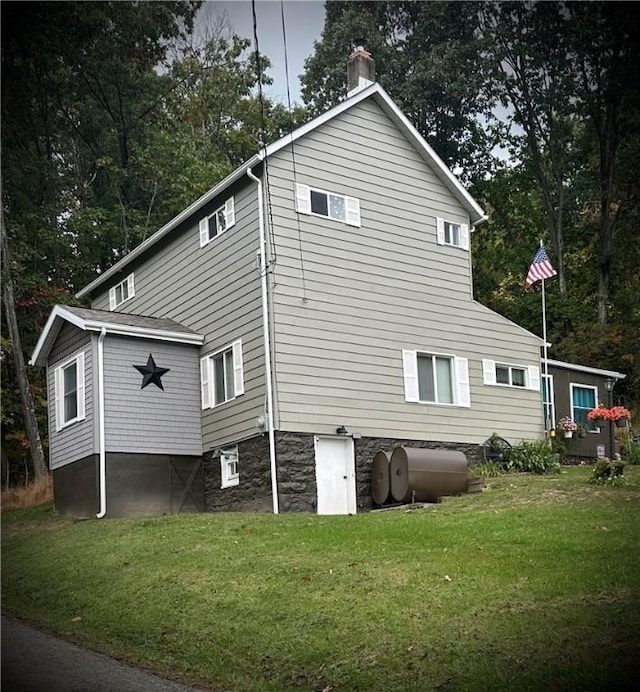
(489, 469)
(533, 457)
(607, 471)
(630, 450)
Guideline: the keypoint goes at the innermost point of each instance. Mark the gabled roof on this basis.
(380, 96)
(113, 323)
(587, 369)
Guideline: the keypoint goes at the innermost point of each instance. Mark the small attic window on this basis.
(452, 234)
(124, 291)
(217, 223)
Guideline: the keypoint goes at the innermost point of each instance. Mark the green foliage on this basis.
(533, 457)
(489, 469)
(630, 450)
(608, 472)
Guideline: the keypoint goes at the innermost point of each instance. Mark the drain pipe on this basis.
(102, 473)
(267, 342)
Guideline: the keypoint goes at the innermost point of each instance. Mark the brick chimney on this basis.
(361, 70)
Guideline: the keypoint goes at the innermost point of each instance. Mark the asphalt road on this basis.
(33, 661)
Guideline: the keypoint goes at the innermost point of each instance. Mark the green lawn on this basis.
(531, 585)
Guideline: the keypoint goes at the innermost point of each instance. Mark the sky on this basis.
(304, 20)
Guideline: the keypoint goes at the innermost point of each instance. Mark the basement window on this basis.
(229, 471)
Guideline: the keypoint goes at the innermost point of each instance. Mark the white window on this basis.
(124, 291)
(454, 234)
(217, 223)
(548, 402)
(433, 378)
(69, 391)
(222, 376)
(583, 399)
(327, 204)
(229, 472)
(507, 375)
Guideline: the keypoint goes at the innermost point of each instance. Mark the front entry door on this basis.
(335, 475)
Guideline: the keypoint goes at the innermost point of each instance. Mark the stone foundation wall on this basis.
(253, 492)
(296, 473)
(295, 454)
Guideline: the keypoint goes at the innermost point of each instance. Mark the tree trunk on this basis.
(28, 409)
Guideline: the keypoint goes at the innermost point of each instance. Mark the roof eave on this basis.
(587, 369)
(168, 227)
(59, 315)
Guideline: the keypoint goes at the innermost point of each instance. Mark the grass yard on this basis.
(533, 584)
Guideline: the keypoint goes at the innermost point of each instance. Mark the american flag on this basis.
(540, 268)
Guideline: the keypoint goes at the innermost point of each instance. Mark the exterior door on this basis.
(335, 475)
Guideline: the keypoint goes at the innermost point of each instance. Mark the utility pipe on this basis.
(267, 342)
(102, 471)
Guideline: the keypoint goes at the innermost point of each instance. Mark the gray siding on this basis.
(150, 420)
(215, 291)
(77, 440)
(563, 378)
(347, 300)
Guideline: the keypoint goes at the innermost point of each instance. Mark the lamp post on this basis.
(609, 384)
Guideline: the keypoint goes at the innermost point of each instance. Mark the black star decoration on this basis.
(151, 373)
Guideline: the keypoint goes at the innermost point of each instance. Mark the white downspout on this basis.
(267, 343)
(102, 473)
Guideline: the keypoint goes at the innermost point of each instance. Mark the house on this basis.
(326, 286)
(574, 391)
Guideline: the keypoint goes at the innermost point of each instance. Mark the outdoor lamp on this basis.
(609, 384)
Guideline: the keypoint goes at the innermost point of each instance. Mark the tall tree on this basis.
(527, 45)
(606, 57)
(28, 408)
(428, 58)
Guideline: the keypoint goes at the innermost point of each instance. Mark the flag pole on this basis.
(545, 366)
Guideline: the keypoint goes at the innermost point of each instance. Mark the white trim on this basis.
(585, 368)
(238, 370)
(462, 385)
(476, 213)
(551, 403)
(533, 378)
(52, 327)
(410, 373)
(268, 371)
(488, 371)
(102, 453)
(59, 392)
(352, 211)
(205, 379)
